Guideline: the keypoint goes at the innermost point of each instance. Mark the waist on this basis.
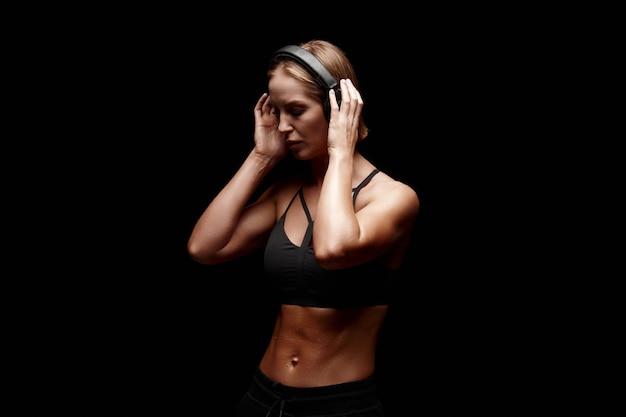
(310, 401)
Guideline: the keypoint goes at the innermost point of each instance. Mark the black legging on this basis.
(267, 398)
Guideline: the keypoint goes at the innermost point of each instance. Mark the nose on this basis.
(284, 125)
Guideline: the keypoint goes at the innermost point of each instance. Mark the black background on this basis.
(166, 105)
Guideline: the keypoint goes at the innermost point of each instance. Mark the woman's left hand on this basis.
(343, 128)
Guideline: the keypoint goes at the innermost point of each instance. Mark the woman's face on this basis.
(301, 117)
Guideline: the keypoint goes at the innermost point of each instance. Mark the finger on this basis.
(345, 93)
(332, 99)
(268, 107)
(354, 90)
(356, 101)
(347, 99)
(261, 102)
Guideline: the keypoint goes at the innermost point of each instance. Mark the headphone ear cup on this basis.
(327, 109)
(327, 102)
(338, 95)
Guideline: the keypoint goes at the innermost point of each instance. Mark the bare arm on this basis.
(228, 228)
(342, 236)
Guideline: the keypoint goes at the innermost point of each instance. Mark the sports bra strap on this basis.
(304, 206)
(355, 192)
(363, 183)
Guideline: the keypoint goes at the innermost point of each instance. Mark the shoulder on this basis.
(392, 195)
(385, 185)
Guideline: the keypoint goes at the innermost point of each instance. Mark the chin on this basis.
(300, 156)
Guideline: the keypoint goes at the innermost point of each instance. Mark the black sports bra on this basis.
(298, 279)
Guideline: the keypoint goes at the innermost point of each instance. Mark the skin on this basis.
(312, 346)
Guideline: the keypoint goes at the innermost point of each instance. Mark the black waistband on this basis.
(349, 396)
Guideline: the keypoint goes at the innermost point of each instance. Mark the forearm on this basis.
(336, 223)
(217, 224)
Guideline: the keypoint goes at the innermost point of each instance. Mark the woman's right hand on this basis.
(268, 141)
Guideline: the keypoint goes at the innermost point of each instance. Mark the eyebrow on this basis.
(296, 102)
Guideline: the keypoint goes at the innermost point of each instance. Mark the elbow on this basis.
(199, 255)
(330, 258)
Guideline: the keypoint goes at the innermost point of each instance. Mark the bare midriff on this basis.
(314, 346)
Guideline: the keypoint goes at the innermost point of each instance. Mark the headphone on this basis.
(314, 67)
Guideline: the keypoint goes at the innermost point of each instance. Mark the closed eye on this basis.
(293, 111)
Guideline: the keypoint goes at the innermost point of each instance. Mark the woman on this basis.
(333, 238)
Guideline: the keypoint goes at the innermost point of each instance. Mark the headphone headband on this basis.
(309, 61)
